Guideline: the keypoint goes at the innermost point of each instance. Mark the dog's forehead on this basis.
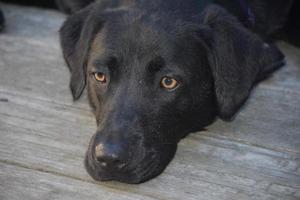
(129, 47)
(140, 41)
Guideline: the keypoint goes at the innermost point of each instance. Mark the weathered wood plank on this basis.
(271, 118)
(30, 46)
(40, 25)
(20, 183)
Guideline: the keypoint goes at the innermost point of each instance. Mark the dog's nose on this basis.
(109, 156)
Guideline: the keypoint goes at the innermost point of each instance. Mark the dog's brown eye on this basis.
(169, 83)
(100, 77)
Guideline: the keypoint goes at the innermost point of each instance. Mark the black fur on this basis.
(292, 27)
(211, 53)
(2, 21)
(76, 37)
(237, 58)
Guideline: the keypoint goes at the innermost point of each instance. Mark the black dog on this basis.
(157, 70)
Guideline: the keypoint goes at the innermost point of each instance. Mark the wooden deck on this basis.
(44, 135)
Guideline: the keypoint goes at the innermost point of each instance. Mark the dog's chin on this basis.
(149, 167)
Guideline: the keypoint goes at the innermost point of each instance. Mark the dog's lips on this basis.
(141, 174)
(147, 168)
(104, 177)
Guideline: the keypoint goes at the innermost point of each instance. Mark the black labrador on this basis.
(158, 70)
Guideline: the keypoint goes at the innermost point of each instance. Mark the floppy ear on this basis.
(76, 36)
(238, 58)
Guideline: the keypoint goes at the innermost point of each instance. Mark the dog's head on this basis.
(152, 79)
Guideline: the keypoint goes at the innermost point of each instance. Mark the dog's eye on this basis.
(100, 77)
(169, 83)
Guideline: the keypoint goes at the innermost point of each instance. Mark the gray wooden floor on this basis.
(44, 135)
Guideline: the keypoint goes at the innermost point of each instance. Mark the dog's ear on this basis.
(76, 36)
(237, 57)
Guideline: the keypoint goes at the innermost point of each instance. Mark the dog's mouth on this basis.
(137, 170)
(141, 173)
